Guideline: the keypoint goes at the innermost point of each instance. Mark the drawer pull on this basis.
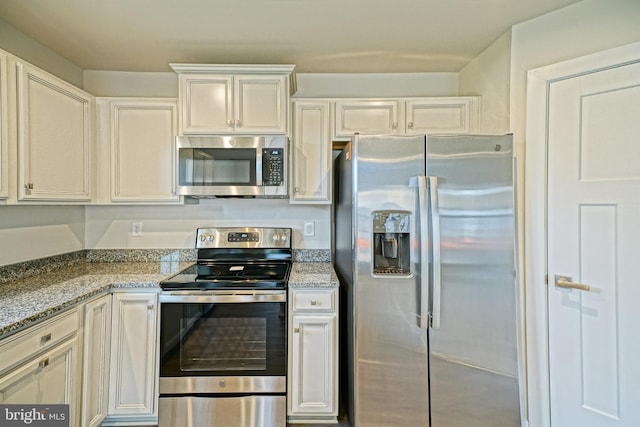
(44, 363)
(45, 339)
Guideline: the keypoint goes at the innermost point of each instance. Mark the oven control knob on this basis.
(203, 237)
(210, 237)
(276, 237)
(283, 237)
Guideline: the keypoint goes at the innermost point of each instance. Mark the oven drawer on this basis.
(246, 411)
(314, 300)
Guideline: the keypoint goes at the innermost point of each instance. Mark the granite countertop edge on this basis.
(25, 302)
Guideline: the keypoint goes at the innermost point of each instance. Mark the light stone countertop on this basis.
(25, 301)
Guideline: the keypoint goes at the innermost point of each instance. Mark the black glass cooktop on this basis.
(230, 275)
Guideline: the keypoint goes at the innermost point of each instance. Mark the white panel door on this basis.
(367, 117)
(142, 150)
(311, 153)
(4, 128)
(594, 239)
(54, 137)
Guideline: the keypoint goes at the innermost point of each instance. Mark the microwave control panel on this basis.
(272, 166)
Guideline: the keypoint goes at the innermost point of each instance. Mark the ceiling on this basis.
(318, 36)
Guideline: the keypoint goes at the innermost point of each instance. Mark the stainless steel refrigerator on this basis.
(425, 249)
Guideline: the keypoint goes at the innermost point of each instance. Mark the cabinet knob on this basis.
(296, 190)
(45, 339)
(238, 123)
(296, 330)
(410, 125)
(314, 302)
(28, 186)
(229, 123)
(394, 126)
(44, 363)
(149, 306)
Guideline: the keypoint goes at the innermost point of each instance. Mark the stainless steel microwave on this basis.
(230, 166)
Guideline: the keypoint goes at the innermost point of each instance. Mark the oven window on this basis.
(223, 339)
(217, 166)
(225, 344)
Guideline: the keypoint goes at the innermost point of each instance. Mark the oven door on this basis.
(223, 341)
(223, 357)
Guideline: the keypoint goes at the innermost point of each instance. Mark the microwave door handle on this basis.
(259, 166)
(423, 216)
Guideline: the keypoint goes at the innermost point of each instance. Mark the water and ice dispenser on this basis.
(391, 242)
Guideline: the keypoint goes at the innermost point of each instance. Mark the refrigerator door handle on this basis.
(435, 238)
(423, 215)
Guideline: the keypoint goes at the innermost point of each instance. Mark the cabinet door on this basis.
(54, 138)
(95, 361)
(313, 377)
(133, 370)
(311, 153)
(143, 150)
(367, 117)
(442, 115)
(260, 104)
(4, 130)
(206, 103)
(49, 379)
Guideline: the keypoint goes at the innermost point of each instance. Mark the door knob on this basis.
(567, 283)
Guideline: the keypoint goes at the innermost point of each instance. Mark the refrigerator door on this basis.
(390, 355)
(473, 347)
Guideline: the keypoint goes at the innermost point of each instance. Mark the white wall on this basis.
(582, 28)
(108, 227)
(488, 76)
(30, 232)
(39, 55)
(337, 85)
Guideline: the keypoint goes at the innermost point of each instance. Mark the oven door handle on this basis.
(221, 296)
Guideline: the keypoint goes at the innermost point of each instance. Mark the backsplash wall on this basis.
(109, 227)
(30, 232)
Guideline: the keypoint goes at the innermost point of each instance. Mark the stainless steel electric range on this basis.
(223, 332)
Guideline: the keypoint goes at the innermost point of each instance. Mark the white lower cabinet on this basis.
(313, 355)
(41, 365)
(95, 361)
(133, 374)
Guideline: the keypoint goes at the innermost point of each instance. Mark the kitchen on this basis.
(498, 75)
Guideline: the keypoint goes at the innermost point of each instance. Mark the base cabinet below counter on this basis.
(41, 365)
(133, 378)
(313, 355)
(95, 360)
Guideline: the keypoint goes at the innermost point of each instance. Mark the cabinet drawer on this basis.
(313, 300)
(22, 346)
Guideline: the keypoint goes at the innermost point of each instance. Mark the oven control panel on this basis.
(243, 237)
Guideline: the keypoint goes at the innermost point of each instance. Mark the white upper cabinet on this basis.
(367, 117)
(4, 130)
(311, 152)
(233, 99)
(54, 137)
(141, 138)
(406, 115)
(442, 115)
